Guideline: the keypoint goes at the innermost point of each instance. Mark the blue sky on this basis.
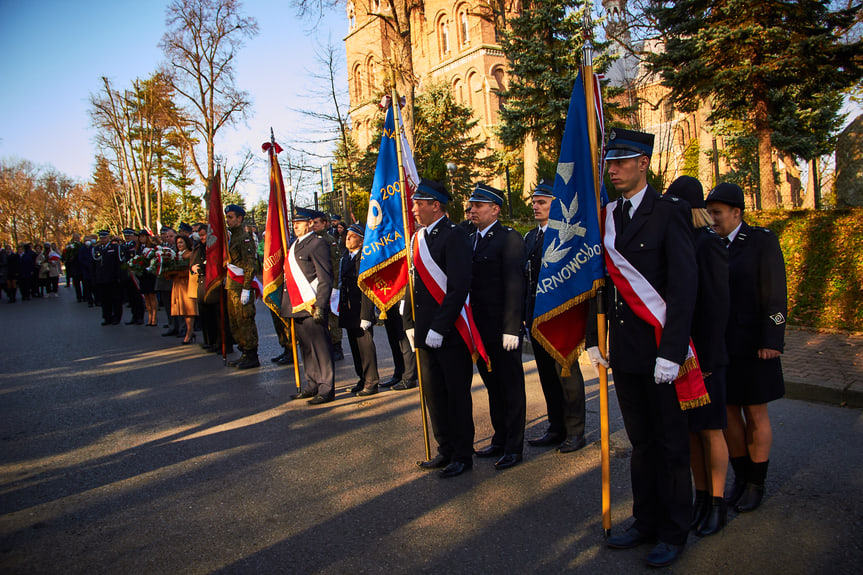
(53, 54)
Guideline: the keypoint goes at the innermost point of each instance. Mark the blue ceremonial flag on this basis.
(383, 267)
(572, 261)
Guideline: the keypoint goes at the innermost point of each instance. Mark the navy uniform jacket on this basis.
(759, 303)
(658, 243)
(533, 249)
(497, 285)
(354, 305)
(313, 258)
(450, 248)
(712, 301)
(106, 263)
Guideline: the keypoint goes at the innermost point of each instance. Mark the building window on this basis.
(465, 35)
(444, 37)
(372, 77)
(352, 19)
(458, 91)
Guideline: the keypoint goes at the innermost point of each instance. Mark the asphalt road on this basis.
(124, 452)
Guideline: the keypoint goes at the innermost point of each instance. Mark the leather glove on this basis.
(244, 296)
(409, 333)
(510, 342)
(434, 340)
(596, 358)
(665, 371)
(365, 324)
(320, 315)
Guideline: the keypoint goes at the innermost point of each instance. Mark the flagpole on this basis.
(587, 70)
(406, 222)
(223, 239)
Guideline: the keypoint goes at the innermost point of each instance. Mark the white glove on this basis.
(510, 342)
(244, 296)
(409, 333)
(665, 371)
(402, 307)
(596, 358)
(434, 340)
(365, 324)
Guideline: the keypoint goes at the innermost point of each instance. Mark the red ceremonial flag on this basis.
(275, 238)
(217, 238)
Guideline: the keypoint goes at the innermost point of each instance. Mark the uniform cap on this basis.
(358, 229)
(165, 230)
(128, 232)
(727, 193)
(624, 144)
(236, 209)
(544, 188)
(335, 217)
(689, 189)
(304, 214)
(486, 193)
(104, 233)
(431, 190)
(184, 227)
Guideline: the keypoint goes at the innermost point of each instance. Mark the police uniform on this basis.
(355, 311)
(497, 295)
(404, 358)
(106, 271)
(335, 263)
(564, 395)
(241, 253)
(131, 291)
(314, 260)
(657, 241)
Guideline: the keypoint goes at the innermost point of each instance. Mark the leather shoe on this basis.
(358, 387)
(390, 382)
(279, 358)
(572, 444)
(237, 361)
(630, 538)
(736, 491)
(319, 399)
(751, 498)
(439, 461)
(368, 391)
(303, 395)
(507, 461)
(287, 360)
(715, 519)
(664, 554)
(547, 438)
(405, 384)
(454, 468)
(490, 451)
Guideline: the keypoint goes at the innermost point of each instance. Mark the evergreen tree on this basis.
(769, 63)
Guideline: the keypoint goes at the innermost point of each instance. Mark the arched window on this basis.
(372, 77)
(498, 75)
(358, 83)
(465, 34)
(458, 91)
(444, 37)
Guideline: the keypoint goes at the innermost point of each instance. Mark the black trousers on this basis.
(132, 295)
(87, 291)
(76, 283)
(112, 301)
(209, 314)
(363, 350)
(404, 359)
(446, 377)
(564, 396)
(317, 349)
(507, 403)
(283, 330)
(659, 466)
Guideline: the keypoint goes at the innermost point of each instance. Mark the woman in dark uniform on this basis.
(708, 452)
(755, 340)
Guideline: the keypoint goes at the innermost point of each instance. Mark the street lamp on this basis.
(450, 168)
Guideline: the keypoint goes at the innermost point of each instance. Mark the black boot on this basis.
(249, 360)
(750, 500)
(741, 468)
(338, 354)
(715, 519)
(699, 508)
(238, 361)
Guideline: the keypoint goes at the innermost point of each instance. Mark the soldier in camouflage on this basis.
(241, 302)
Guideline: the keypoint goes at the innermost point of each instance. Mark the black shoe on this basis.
(405, 384)
(664, 554)
(287, 360)
(236, 362)
(358, 387)
(454, 468)
(715, 519)
(490, 451)
(106, 322)
(368, 391)
(547, 438)
(630, 538)
(700, 507)
(115, 322)
(751, 498)
(390, 382)
(439, 461)
(190, 340)
(338, 354)
(736, 491)
(507, 461)
(251, 360)
(132, 321)
(572, 444)
(170, 333)
(279, 358)
(303, 395)
(319, 399)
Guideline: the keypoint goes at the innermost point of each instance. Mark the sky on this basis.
(54, 53)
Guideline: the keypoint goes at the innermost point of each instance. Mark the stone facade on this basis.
(849, 165)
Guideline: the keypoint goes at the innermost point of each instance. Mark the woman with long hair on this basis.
(182, 304)
(147, 280)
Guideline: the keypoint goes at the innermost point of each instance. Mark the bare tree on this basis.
(201, 43)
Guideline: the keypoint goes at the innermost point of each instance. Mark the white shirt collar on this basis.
(304, 236)
(635, 200)
(483, 231)
(734, 232)
(431, 226)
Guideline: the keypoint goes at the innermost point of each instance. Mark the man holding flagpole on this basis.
(651, 262)
(242, 258)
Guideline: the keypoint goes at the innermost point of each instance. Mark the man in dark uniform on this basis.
(73, 268)
(131, 293)
(497, 299)
(357, 315)
(334, 226)
(311, 317)
(319, 225)
(404, 357)
(564, 396)
(238, 285)
(85, 263)
(653, 234)
(444, 357)
(106, 265)
(755, 340)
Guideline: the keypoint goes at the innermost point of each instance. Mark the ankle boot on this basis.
(754, 490)
(715, 518)
(249, 360)
(238, 361)
(699, 508)
(741, 470)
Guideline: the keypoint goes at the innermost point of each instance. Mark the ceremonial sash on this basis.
(649, 306)
(237, 274)
(435, 281)
(301, 292)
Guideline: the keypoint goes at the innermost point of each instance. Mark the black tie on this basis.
(726, 241)
(539, 238)
(624, 216)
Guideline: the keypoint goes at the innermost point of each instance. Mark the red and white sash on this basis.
(237, 274)
(650, 307)
(301, 292)
(435, 281)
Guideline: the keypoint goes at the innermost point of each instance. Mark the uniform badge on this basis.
(612, 135)
(778, 318)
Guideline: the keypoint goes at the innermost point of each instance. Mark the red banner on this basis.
(275, 238)
(217, 238)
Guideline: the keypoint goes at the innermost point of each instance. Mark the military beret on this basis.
(624, 144)
(485, 193)
(727, 193)
(689, 189)
(236, 209)
(544, 188)
(431, 190)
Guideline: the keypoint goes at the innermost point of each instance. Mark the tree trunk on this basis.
(767, 184)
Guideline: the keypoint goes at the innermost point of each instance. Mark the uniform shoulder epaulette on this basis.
(507, 228)
(710, 230)
(669, 198)
(452, 225)
(765, 230)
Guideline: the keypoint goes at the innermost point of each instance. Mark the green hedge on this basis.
(823, 264)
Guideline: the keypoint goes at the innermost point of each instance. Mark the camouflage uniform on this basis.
(336, 258)
(241, 253)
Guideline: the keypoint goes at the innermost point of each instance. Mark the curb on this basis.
(822, 394)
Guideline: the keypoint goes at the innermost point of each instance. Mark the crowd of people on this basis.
(694, 280)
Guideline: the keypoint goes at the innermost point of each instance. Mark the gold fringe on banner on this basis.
(371, 294)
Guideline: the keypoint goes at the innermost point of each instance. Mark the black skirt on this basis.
(147, 282)
(753, 381)
(713, 415)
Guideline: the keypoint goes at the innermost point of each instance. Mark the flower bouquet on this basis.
(167, 263)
